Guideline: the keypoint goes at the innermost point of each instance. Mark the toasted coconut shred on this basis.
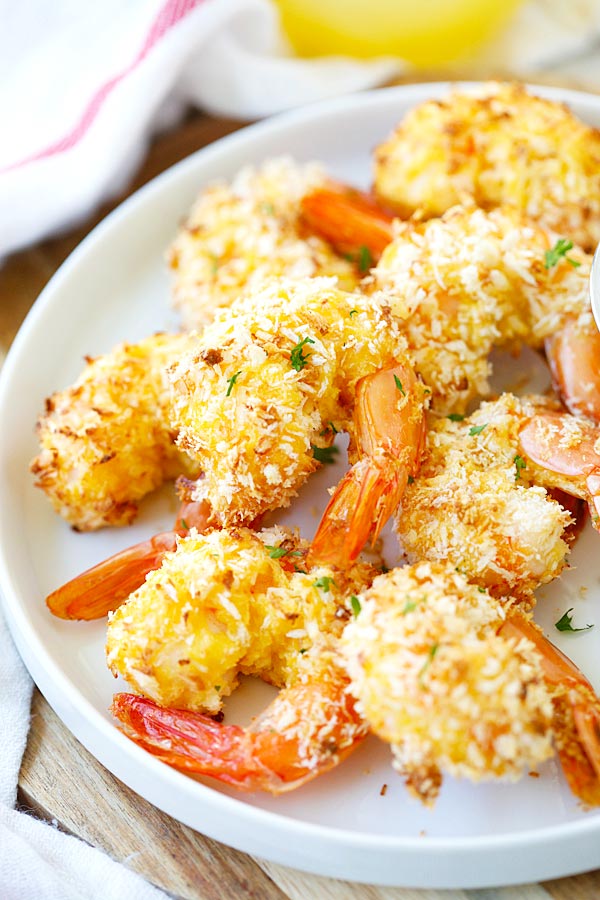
(435, 680)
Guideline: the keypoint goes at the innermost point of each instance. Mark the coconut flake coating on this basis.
(473, 280)
(107, 440)
(434, 679)
(497, 145)
(473, 506)
(237, 234)
(225, 604)
(269, 380)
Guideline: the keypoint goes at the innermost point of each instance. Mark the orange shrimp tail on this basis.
(361, 505)
(349, 220)
(576, 719)
(103, 588)
(573, 355)
(255, 759)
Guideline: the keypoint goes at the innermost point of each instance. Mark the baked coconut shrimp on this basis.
(485, 499)
(498, 145)
(238, 234)
(470, 281)
(230, 603)
(461, 683)
(259, 400)
(107, 441)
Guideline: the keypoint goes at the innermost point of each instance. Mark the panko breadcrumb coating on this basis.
(271, 379)
(480, 504)
(237, 234)
(224, 604)
(106, 441)
(473, 280)
(498, 145)
(435, 680)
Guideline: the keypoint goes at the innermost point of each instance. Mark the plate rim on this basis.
(41, 665)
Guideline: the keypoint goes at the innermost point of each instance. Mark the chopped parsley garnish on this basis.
(477, 429)
(355, 604)
(353, 312)
(297, 357)
(399, 385)
(520, 464)
(364, 259)
(330, 427)
(481, 589)
(278, 552)
(410, 479)
(558, 252)
(324, 583)
(324, 454)
(564, 623)
(455, 417)
(432, 651)
(409, 606)
(185, 525)
(231, 381)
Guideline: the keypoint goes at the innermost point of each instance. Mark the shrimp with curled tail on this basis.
(500, 146)
(107, 440)
(470, 281)
(258, 401)
(486, 495)
(224, 604)
(462, 683)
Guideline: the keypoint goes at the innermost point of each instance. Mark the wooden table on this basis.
(61, 781)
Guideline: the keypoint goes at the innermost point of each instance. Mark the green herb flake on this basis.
(410, 479)
(409, 606)
(364, 259)
(355, 604)
(455, 417)
(231, 381)
(353, 312)
(477, 429)
(217, 687)
(276, 552)
(558, 252)
(324, 454)
(324, 583)
(564, 623)
(185, 525)
(481, 590)
(520, 464)
(303, 650)
(399, 385)
(432, 651)
(297, 357)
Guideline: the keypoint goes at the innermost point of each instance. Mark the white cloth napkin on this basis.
(37, 862)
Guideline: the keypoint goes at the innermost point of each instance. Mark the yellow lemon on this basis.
(424, 32)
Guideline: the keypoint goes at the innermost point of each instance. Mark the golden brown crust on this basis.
(106, 441)
(496, 145)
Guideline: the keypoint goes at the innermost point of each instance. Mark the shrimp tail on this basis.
(348, 219)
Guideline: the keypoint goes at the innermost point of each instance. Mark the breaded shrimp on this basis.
(480, 498)
(498, 145)
(458, 681)
(237, 234)
(469, 281)
(230, 603)
(434, 679)
(270, 382)
(106, 441)
(225, 604)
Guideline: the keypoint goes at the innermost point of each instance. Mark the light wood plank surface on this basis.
(60, 781)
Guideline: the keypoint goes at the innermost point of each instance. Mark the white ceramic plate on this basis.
(115, 287)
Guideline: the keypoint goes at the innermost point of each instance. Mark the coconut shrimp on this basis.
(259, 400)
(238, 234)
(473, 280)
(485, 499)
(107, 441)
(498, 145)
(230, 603)
(459, 682)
